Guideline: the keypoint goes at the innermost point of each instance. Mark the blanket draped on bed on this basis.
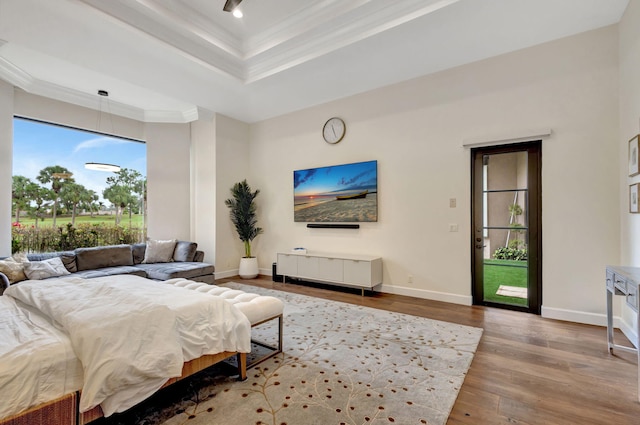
(132, 334)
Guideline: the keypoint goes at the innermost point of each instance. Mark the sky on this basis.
(334, 179)
(37, 145)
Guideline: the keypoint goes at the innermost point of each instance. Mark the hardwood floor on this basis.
(527, 370)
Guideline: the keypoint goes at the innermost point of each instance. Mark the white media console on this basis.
(357, 271)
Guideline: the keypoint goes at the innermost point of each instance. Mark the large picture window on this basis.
(74, 188)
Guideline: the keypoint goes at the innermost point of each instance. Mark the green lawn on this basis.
(504, 272)
(136, 220)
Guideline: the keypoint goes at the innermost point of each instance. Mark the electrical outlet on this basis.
(453, 227)
(410, 279)
(452, 202)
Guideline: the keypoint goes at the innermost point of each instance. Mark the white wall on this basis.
(203, 188)
(232, 166)
(415, 130)
(629, 126)
(168, 181)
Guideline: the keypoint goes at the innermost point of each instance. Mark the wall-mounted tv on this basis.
(336, 194)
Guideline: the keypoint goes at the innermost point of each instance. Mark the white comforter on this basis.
(37, 362)
(133, 334)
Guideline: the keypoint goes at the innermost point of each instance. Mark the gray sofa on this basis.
(128, 259)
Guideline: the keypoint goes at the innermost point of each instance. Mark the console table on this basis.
(623, 281)
(357, 271)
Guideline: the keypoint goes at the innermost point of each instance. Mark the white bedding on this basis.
(132, 334)
(37, 362)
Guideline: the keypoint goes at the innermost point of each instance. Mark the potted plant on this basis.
(243, 216)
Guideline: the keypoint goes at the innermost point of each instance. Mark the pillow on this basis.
(138, 250)
(52, 267)
(185, 251)
(69, 261)
(159, 251)
(13, 267)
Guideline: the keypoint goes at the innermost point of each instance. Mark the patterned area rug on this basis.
(342, 364)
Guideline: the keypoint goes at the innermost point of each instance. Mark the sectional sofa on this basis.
(156, 260)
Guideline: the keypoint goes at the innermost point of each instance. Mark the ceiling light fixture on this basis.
(231, 5)
(98, 166)
(237, 13)
(105, 94)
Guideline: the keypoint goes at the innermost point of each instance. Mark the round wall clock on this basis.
(333, 130)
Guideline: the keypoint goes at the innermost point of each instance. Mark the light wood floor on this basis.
(527, 370)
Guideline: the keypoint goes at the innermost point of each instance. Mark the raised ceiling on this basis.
(180, 60)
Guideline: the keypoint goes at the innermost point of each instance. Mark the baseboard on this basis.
(574, 316)
(428, 295)
(596, 319)
(234, 272)
(225, 274)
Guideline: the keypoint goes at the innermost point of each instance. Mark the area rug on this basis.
(512, 291)
(342, 364)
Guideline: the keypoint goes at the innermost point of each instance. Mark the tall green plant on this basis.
(243, 213)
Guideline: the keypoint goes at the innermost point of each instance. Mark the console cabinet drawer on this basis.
(308, 267)
(331, 269)
(287, 264)
(357, 272)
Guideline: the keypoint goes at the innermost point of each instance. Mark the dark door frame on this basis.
(534, 184)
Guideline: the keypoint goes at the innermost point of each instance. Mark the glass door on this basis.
(506, 231)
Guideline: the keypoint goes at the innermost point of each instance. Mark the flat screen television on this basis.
(336, 194)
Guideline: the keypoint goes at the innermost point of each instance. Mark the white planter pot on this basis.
(248, 267)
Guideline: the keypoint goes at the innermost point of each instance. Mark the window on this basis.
(74, 188)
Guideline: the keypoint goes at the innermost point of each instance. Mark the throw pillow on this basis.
(13, 267)
(159, 251)
(69, 261)
(53, 267)
(185, 251)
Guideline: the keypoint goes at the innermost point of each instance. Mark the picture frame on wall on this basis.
(634, 168)
(633, 198)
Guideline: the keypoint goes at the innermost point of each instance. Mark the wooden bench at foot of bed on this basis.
(189, 368)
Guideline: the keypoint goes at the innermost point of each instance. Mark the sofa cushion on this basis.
(185, 251)
(165, 271)
(41, 256)
(159, 251)
(110, 271)
(103, 256)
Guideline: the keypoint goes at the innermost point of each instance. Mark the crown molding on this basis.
(23, 80)
(13, 74)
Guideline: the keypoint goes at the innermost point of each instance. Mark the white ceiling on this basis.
(178, 60)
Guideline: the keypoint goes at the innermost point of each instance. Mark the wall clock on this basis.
(333, 130)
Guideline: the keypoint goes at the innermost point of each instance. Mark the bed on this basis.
(37, 364)
(117, 340)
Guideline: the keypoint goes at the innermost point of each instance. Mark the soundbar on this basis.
(332, 226)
